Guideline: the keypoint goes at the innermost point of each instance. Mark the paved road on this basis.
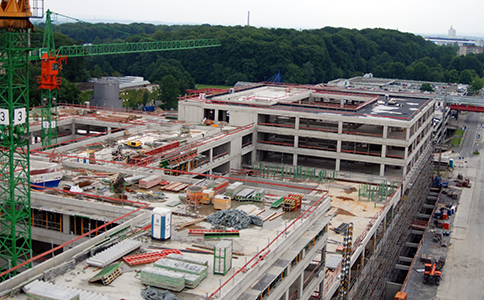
(463, 274)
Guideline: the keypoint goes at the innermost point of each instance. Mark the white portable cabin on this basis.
(161, 223)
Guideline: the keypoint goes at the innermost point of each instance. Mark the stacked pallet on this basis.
(193, 273)
(163, 278)
(259, 195)
(234, 188)
(181, 266)
(245, 195)
(221, 202)
(150, 181)
(191, 260)
(222, 257)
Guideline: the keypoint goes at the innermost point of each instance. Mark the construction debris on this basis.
(151, 293)
(237, 219)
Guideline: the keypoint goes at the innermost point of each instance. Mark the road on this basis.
(463, 272)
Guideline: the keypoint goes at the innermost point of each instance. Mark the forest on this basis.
(256, 54)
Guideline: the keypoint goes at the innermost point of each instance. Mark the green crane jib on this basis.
(15, 28)
(52, 59)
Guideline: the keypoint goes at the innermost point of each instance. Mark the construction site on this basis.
(259, 192)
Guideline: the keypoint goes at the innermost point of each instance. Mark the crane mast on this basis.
(15, 55)
(15, 215)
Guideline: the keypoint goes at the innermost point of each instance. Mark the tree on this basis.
(465, 77)
(426, 87)
(169, 92)
(476, 84)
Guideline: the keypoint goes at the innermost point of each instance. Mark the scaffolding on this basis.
(376, 193)
(380, 266)
(290, 173)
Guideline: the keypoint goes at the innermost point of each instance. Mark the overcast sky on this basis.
(428, 17)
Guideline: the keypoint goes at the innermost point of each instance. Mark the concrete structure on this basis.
(451, 33)
(324, 128)
(371, 150)
(464, 50)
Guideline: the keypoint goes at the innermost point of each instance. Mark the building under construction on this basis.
(325, 185)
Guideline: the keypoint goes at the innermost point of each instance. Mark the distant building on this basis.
(464, 50)
(451, 33)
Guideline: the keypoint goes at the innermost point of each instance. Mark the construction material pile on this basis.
(174, 256)
(154, 294)
(113, 253)
(175, 273)
(163, 278)
(237, 219)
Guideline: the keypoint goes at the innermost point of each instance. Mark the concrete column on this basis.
(338, 146)
(294, 159)
(405, 171)
(300, 286)
(385, 131)
(109, 130)
(405, 156)
(383, 150)
(382, 169)
(215, 116)
(297, 122)
(253, 156)
(73, 129)
(407, 132)
(66, 224)
(210, 156)
(296, 141)
(337, 166)
(286, 295)
(340, 127)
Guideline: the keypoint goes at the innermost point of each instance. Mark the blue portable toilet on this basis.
(161, 223)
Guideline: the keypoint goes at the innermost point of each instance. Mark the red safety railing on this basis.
(40, 256)
(265, 251)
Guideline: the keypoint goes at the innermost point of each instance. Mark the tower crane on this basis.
(52, 59)
(15, 55)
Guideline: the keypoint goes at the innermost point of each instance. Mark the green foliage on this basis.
(256, 54)
(135, 99)
(476, 84)
(169, 92)
(426, 87)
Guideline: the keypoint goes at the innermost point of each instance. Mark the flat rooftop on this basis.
(320, 100)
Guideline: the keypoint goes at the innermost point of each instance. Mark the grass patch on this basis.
(459, 132)
(476, 153)
(207, 86)
(456, 141)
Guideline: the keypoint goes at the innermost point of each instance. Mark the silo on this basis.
(161, 223)
(106, 94)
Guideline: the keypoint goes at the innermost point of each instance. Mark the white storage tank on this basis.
(161, 223)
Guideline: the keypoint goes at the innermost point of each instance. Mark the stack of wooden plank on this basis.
(163, 278)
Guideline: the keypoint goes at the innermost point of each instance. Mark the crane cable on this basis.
(116, 30)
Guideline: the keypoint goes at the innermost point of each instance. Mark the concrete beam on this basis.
(411, 245)
(402, 267)
(405, 258)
